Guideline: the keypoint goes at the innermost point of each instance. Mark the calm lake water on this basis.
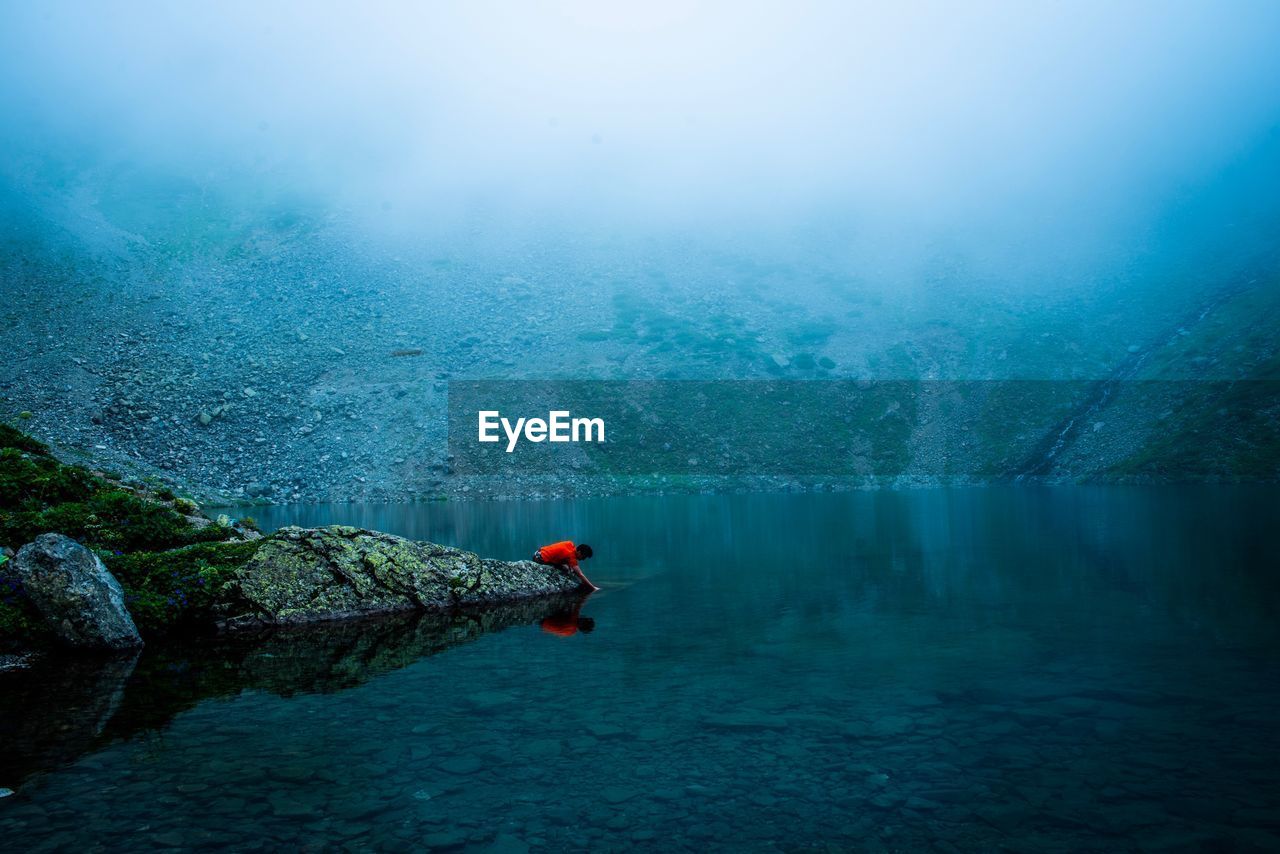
(1057, 669)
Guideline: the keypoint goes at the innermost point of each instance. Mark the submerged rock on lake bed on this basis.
(305, 574)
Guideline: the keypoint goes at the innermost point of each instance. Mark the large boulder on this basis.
(75, 593)
(303, 574)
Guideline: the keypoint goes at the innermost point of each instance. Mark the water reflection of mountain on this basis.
(65, 707)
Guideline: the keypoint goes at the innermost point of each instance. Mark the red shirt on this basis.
(562, 552)
(563, 625)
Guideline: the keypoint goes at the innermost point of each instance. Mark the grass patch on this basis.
(1216, 431)
(16, 439)
(21, 625)
(39, 495)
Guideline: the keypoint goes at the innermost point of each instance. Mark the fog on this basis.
(286, 228)
(1062, 133)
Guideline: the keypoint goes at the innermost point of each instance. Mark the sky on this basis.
(1040, 119)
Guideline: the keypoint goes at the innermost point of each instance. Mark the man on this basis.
(566, 554)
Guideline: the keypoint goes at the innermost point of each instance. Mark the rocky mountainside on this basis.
(263, 349)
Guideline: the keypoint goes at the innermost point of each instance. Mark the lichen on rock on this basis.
(304, 574)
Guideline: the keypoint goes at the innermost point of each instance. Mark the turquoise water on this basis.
(1056, 669)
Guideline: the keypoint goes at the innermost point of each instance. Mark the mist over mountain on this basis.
(248, 247)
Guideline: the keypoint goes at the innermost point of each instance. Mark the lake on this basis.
(1034, 668)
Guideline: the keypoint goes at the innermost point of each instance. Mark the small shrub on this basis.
(812, 332)
(168, 590)
(21, 626)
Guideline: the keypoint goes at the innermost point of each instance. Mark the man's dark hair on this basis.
(584, 550)
(586, 624)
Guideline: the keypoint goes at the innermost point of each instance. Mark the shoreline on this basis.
(96, 563)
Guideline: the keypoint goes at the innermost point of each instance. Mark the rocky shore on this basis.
(93, 563)
(297, 575)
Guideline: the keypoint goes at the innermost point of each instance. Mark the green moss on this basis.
(39, 495)
(13, 438)
(21, 626)
(172, 589)
(171, 570)
(1213, 431)
(115, 520)
(30, 482)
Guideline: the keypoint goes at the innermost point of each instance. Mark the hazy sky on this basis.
(919, 113)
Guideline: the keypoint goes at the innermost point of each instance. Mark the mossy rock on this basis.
(173, 569)
(305, 574)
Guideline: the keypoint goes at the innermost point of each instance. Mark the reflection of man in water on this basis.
(567, 622)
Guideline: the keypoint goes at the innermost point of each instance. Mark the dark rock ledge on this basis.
(295, 576)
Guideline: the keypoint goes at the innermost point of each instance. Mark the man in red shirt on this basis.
(565, 553)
